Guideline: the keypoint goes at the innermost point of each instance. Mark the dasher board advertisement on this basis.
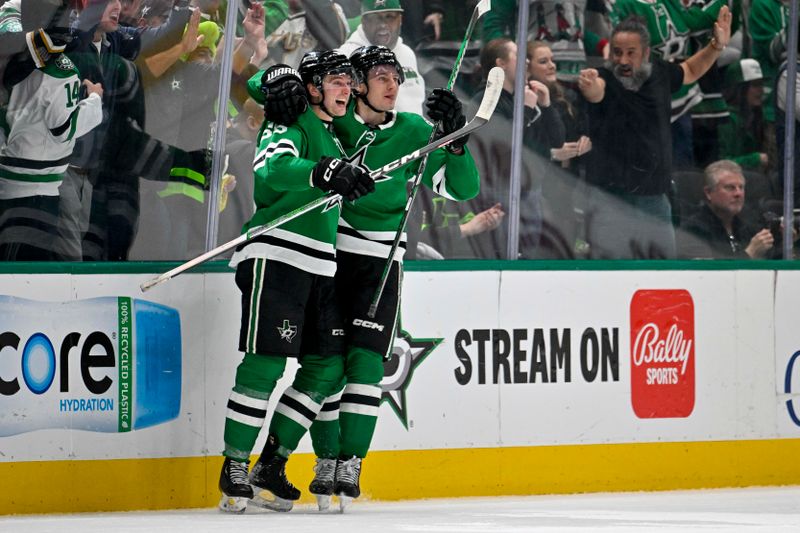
(483, 359)
(787, 353)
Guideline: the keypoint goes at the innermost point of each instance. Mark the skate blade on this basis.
(344, 502)
(266, 500)
(323, 501)
(233, 504)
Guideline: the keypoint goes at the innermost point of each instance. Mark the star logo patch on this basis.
(407, 354)
(176, 85)
(64, 63)
(357, 159)
(287, 332)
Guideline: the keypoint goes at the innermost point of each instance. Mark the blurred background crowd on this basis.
(110, 111)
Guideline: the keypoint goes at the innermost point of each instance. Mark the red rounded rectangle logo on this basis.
(662, 353)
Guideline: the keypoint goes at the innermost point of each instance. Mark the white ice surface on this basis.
(755, 509)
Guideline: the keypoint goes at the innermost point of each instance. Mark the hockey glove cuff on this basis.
(351, 182)
(443, 107)
(284, 94)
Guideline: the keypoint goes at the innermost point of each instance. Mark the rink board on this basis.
(504, 382)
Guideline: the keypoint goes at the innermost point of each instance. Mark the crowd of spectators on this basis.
(642, 123)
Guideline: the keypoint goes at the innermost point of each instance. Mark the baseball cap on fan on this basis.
(376, 6)
(743, 71)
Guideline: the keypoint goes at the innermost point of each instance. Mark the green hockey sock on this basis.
(256, 377)
(325, 429)
(316, 379)
(361, 398)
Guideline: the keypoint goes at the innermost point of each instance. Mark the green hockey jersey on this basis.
(368, 225)
(284, 160)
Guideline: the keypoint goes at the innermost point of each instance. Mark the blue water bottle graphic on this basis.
(109, 364)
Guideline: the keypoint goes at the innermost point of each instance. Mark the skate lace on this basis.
(238, 472)
(349, 470)
(325, 469)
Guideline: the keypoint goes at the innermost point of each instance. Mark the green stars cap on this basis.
(376, 6)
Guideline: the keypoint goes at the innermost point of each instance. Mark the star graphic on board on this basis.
(407, 354)
(176, 84)
(287, 332)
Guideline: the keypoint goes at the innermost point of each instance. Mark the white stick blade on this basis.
(494, 86)
(483, 6)
(149, 284)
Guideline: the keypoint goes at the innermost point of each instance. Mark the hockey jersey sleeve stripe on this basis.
(274, 149)
(440, 184)
(68, 124)
(73, 123)
(271, 147)
(32, 164)
(280, 147)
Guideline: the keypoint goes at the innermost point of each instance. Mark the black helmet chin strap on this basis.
(321, 103)
(363, 98)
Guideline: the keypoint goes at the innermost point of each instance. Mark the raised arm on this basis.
(699, 63)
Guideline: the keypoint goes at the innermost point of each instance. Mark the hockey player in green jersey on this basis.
(286, 279)
(373, 135)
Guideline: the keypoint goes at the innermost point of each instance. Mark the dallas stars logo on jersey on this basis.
(64, 63)
(407, 354)
(357, 160)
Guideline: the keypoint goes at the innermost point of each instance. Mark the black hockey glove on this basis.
(341, 177)
(443, 107)
(284, 95)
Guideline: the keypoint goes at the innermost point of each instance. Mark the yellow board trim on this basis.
(191, 482)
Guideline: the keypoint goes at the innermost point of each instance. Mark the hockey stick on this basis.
(483, 115)
(482, 7)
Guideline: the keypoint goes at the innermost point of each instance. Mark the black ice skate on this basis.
(268, 478)
(348, 472)
(236, 490)
(322, 484)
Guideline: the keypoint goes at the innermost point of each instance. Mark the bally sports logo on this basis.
(662, 353)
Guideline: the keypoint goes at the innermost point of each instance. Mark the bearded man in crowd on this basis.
(630, 163)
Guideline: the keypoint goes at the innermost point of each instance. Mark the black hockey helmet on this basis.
(366, 57)
(316, 65)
